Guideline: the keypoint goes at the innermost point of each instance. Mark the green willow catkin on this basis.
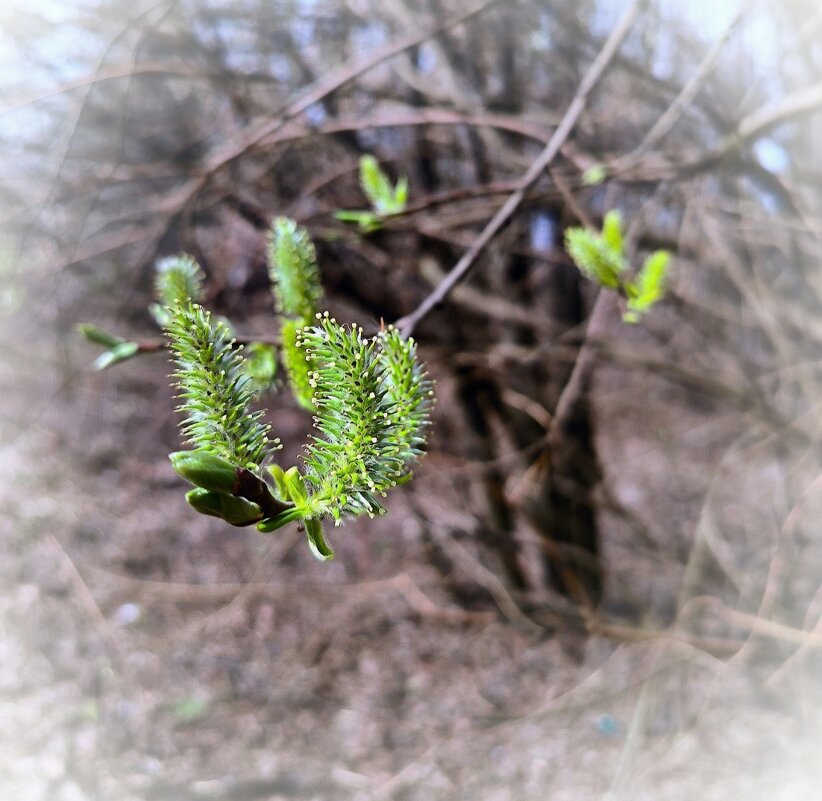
(297, 365)
(372, 403)
(292, 267)
(177, 279)
(214, 388)
(295, 283)
(370, 396)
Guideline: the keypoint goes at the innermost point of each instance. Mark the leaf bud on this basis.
(204, 469)
(234, 510)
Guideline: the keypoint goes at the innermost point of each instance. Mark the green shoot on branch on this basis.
(386, 200)
(98, 336)
(177, 279)
(117, 349)
(601, 257)
(594, 175)
(649, 285)
(119, 353)
(598, 256)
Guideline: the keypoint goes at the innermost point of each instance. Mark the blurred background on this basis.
(604, 580)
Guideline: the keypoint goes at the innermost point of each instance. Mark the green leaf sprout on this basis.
(594, 175)
(601, 257)
(121, 352)
(117, 349)
(98, 336)
(649, 285)
(386, 200)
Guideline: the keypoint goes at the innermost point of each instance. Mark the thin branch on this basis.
(575, 384)
(797, 104)
(331, 82)
(485, 578)
(803, 101)
(102, 76)
(691, 89)
(408, 323)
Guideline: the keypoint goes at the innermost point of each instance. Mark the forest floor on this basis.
(149, 653)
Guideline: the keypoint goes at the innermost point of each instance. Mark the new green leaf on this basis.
(119, 353)
(601, 258)
(376, 185)
(234, 510)
(594, 257)
(594, 175)
(385, 199)
(649, 285)
(98, 336)
(612, 232)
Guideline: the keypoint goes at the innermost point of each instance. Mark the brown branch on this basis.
(114, 73)
(408, 323)
(331, 82)
(401, 117)
(803, 101)
(797, 104)
(691, 89)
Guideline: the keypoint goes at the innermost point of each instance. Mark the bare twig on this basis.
(579, 375)
(797, 104)
(485, 578)
(332, 81)
(408, 323)
(803, 101)
(691, 89)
